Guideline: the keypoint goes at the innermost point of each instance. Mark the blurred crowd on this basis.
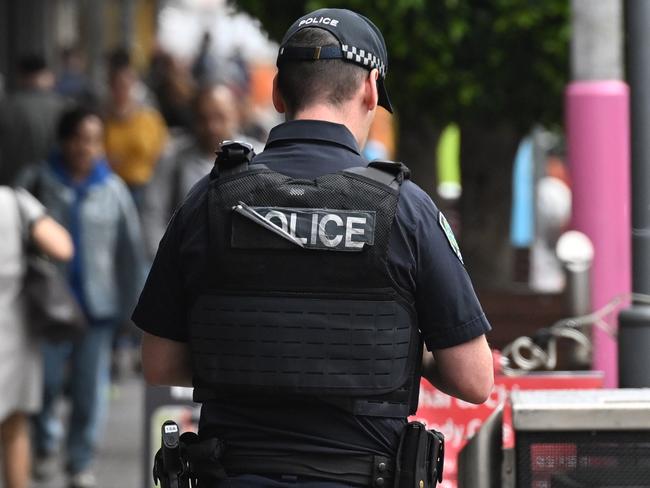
(90, 176)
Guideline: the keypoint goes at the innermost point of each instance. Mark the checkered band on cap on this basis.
(364, 58)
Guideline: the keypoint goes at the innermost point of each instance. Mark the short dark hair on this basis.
(302, 83)
(118, 60)
(70, 121)
(31, 64)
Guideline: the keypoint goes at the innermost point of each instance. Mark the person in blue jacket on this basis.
(79, 190)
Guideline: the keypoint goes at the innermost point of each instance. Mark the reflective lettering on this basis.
(322, 231)
(314, 228)
(292, 227)
(283, 218)
(319, 20)
(350, 231)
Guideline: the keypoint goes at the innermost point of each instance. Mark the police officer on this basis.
(295, 291)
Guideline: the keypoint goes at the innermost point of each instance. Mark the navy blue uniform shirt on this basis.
(421, 259)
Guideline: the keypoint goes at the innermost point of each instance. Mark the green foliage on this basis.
(471, 61)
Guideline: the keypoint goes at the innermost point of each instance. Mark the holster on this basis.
(192, 463)
(420, 457)
(168, 466)
(203, 458)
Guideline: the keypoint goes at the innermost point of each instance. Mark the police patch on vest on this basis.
(446, 228)
(320, 229)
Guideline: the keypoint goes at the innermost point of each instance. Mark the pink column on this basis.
(598, 140)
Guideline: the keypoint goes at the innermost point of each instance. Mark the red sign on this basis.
(551, 458)
(459, 420)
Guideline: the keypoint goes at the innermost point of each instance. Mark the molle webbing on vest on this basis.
(279, 318)
(314, 346)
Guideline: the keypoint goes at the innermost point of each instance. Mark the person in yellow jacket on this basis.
(136, 134)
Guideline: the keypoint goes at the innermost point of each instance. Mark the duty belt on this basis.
(362, 470)
(186, 461)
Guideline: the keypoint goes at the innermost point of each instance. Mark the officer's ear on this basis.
(278, 102)
(371, 93)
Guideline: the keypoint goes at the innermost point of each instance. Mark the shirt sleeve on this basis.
(30, 210)
(161, 308)
(449, 312)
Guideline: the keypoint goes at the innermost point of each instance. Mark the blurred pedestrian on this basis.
(72, 81)
(190, 157)
(250, 119)
(23, 221)
(28, 118)
(204, 68)
(172, 83)
(79, 189)
(135, 134)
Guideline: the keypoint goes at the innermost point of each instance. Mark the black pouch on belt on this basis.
(420, 457)
(203, 458)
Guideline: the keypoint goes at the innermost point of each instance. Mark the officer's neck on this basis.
(356, 123)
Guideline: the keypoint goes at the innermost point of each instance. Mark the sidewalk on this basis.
(119, 457)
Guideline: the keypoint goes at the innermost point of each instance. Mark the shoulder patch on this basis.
(446, 228)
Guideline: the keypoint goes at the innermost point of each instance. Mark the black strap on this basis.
(370, 408)
(309, 53)
(35, 187)
(362, 469)
(399, 169)
(389, 173)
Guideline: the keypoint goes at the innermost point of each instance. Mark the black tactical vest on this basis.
(300, 301)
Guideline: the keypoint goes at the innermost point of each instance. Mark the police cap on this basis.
(360, 40)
